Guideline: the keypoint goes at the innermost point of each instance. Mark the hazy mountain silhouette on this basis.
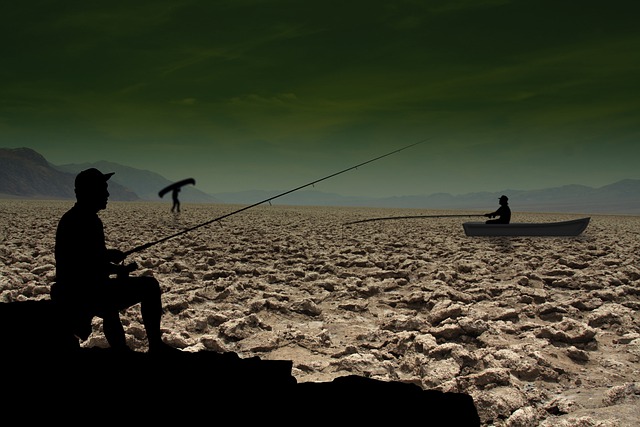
(25, 173)
(618, 198)
(144, 183)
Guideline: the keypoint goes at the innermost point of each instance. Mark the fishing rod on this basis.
(406, 217)
(164, 239)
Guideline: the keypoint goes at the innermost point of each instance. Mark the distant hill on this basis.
(621, 198)
(144, 183)
(25, 173)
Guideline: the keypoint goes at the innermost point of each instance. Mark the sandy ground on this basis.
(540, 331)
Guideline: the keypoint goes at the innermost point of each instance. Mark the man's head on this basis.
(503, 199)
(91, 188)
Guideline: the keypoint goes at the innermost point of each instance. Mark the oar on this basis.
(406, 217)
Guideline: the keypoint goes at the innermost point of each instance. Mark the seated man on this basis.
(503, 213)
(84, 285)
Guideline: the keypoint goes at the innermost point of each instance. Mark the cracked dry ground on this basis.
(539, 331)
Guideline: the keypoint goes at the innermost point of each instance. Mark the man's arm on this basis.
(115, 257)
(492, 214)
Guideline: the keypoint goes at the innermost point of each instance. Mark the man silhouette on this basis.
(176, 202)
(503, 212)
(84, 285)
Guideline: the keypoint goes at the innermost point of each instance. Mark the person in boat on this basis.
(91, 280)
(176, 202)
(503, 212)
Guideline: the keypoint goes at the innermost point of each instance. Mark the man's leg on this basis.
(151, 309)
(113, 330)
(145, 290)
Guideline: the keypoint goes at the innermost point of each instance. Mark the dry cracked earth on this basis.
(540, 331)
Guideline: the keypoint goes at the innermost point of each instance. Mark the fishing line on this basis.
(164, 239)
(406, 217)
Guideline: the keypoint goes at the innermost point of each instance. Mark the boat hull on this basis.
(178, 184)
(561, 228)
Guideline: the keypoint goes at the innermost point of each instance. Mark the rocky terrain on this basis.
(539, 331)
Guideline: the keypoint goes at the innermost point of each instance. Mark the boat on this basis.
(562, 228)
(175, 185)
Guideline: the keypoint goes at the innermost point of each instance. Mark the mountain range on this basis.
(24, 173)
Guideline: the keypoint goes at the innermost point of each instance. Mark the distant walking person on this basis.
(176, 202)
(84, 286)
(503, 213)
(175, 189)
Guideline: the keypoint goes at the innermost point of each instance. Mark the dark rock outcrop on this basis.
(49, 377)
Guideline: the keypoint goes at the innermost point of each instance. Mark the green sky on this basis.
(251, 94)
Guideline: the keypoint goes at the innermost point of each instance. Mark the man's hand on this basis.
(115, 256)
(124, 270)
(131, 267)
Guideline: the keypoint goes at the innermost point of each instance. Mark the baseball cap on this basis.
(90, 178)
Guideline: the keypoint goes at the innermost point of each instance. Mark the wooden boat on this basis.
(175, 185)
(561, 228)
